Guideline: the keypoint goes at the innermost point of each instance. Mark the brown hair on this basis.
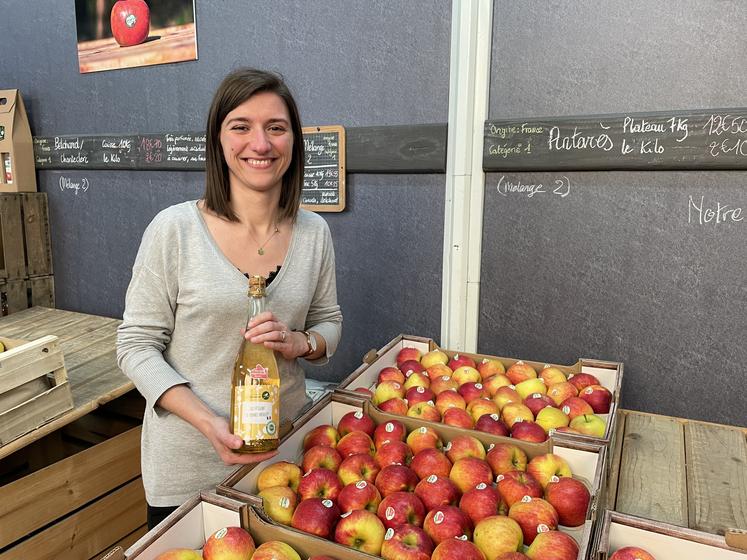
(235, 89)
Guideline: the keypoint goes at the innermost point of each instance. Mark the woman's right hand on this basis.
(224, 443)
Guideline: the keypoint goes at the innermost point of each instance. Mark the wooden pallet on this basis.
(682, 472)
(25, 242)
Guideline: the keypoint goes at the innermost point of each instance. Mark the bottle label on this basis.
(259, 372)
(257, 414)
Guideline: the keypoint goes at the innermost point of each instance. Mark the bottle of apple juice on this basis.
(255, 391)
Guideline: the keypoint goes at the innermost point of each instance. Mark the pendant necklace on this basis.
(261, 250)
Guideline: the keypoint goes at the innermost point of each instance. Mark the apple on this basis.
(553, 545)
(530, 386)
(425, 411)
(445, 522)
(505, 457)
(520, 371)
(316, 516)
(390, 373)
(130, 22)
(570, 498)
(534, 516)
(504, 395)
(600, 398)
(537, 401)
(430, 461)
(321, 557)
(396, 478)
(393, 453)
(582, 380)
(459, 360)
(320, 483)
(441, 383)
(458, 417)
(508, 556)
(406, 542)
(359, 495)
(228, 543)
(321, 435)
(416, 395)
(631, 553)
(449, 399)
(481, 407)
(488, 367)
(514, 485)
(589, 424)
(457, 548)
(365, 391)
(408, 367)
(492, 424)
(492, 384)
(180, 554)
(321, 456)
(551, 418)
(516, 412)
(434, 357)
(496, 535)
(401, 507)
(528, 431)
(275, 550)
(281, 473)
(575, 406)
(393, 430)
(552, 375)
(361, 530)
(469, 472)
(408, 353)
(279, 503)
(388, 390)
(355, 442)
(359, 466)
(417, 379)
(544, 467)
(481, 502)
(464, 446)
(471, 391)
(561, 391)
(437, 491)
(422, 438)
(356, 422)
(394, 406)
(466, 374)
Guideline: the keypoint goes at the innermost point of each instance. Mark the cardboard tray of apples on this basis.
(213, 527)
(627, 537)
(395, 487)
(412, 376)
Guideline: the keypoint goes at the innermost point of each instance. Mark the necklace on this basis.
(261, 250)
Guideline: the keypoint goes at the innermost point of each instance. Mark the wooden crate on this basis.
(12, 257)
(25, 241)
(75, 493)
(17, 295)
(33, 385)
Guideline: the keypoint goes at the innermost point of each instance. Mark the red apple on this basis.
(575, 406)
(360, 530)
(437, 491)
(553, 545)
(508, 556)
(228, 543)
(368, 393)
(408, 353)
(469, 472)
(570, 498)
(551, 375)
(544, 467)
(320, 483)
(321, 456)
(356, 422)
(387, 390)
(130, 22)
(355, 442)
(516, 412)
(321, 435)
(406, 542)
(394, 406)
(423, 438)
(359, 495)
(359, 466)
(430, 461)
(537, 401)
(561, 391)
(496, 535)
(506, 394)
(408, 367)
(514, 485)
(492, 424)
(441, 383)
(417, 395)
(393, 453)
(472, 390)
(457, 548)
(281, 473)
(466, 374)
(505, 457)
(490, 367)
(528, 431)
(582, 380)
(631, 553)
(316, 516)
(459, 418)
(480, 407)
(492, 384)
(390, 373)
(180, 554)
(534, 516)
(424, 411)
(464, 446)
(481, 502)
(449, 399)
(446, 522)
(417, 379)
(401, 507)
(459, 360)
(396, 478)
(600, 398)
(520, 371)
(389, 431)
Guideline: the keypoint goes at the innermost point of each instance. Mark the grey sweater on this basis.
(185, 307)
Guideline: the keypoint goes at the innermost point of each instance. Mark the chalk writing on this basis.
(560, 186)
(700, 213)
(74, 185)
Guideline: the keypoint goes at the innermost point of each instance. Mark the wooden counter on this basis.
(684, 472)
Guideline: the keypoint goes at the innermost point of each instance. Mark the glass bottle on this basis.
(255, 386)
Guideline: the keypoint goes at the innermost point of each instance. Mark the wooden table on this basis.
(87, 343)
(684, 472)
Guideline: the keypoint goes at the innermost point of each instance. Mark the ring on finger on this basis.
(282, 336)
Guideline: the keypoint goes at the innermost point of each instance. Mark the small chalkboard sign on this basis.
(324, 169)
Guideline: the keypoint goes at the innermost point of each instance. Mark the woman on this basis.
(187, 301)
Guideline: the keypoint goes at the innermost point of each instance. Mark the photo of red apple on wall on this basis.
(116, 34)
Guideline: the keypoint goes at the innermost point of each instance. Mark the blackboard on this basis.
(324, 169)
(707, 139)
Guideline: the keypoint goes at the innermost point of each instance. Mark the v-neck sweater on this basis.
(184, 309)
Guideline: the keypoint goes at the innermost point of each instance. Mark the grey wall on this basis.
(356, 63)
(618, 269)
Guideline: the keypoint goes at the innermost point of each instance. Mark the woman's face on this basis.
(257, 142)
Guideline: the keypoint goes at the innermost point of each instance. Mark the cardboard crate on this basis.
(33, 385)
(609, 375)
(587, 462)
(17, 170)
(664, 541)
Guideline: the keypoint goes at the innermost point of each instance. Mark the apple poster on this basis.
(116, 34)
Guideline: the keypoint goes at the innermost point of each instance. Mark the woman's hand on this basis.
(266, 329)
(225, 442)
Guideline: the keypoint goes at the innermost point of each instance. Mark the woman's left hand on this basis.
(266, 329)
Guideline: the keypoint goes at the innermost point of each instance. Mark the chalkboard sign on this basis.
(324, 169)
(712, 139)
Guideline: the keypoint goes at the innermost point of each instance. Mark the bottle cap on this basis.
(256, 286)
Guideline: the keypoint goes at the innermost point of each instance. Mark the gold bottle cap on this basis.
(256, 286)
